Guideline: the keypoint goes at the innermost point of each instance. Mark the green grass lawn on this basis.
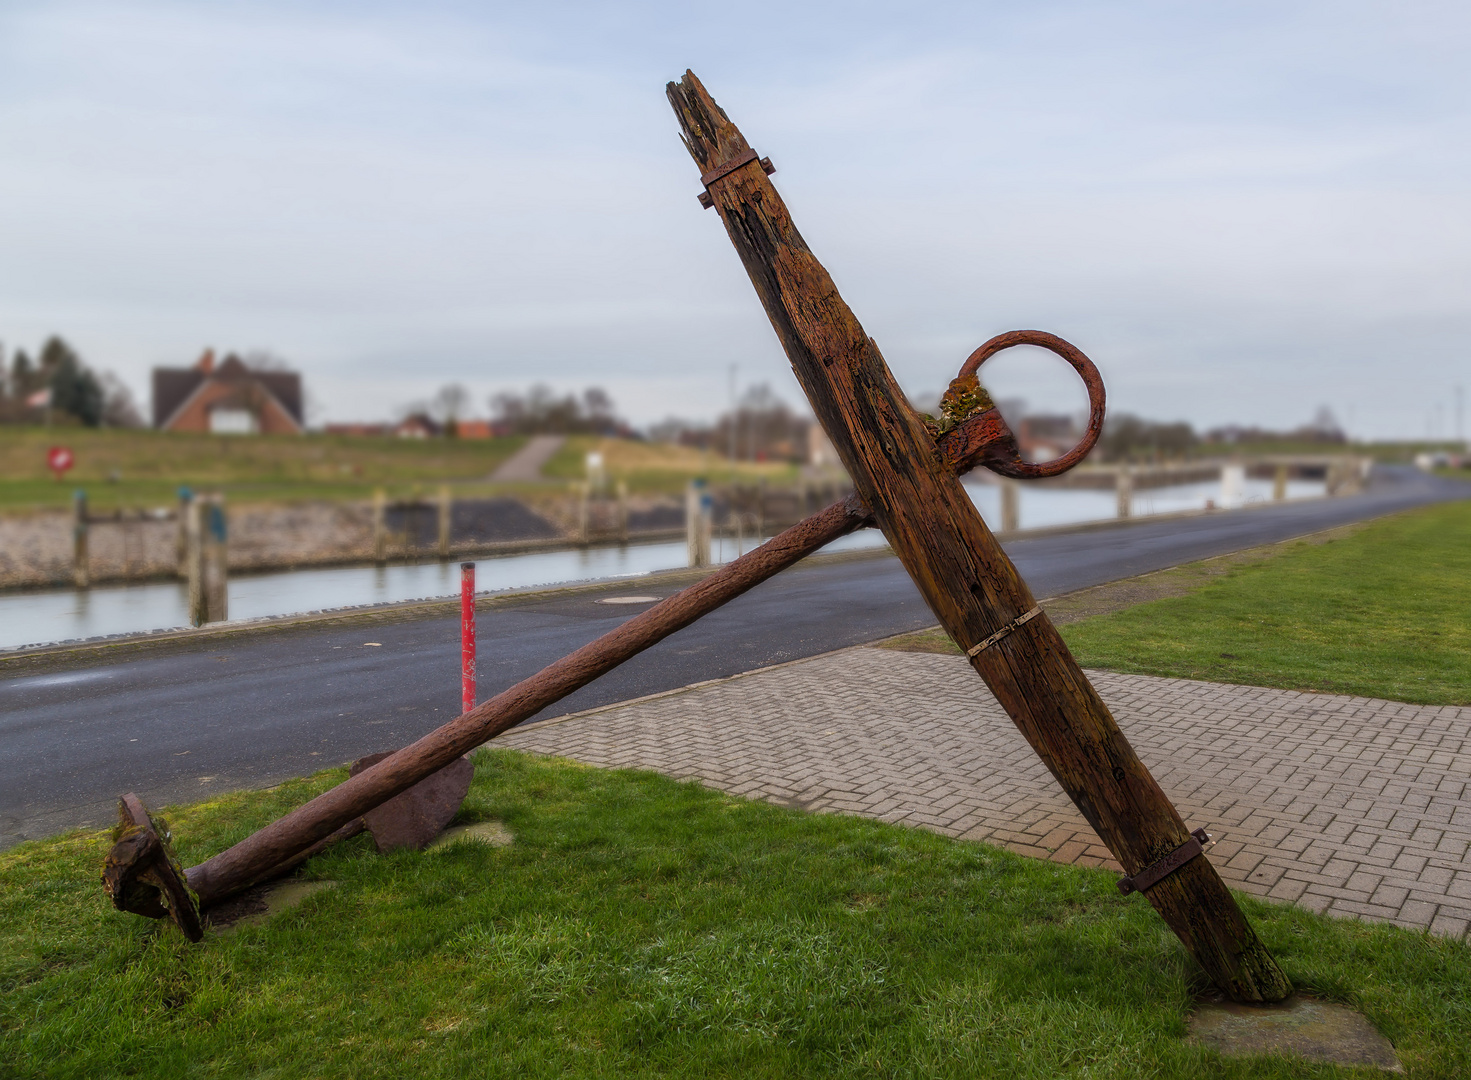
(1382, 613)
(640, 926)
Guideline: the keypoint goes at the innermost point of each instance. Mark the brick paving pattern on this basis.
(1345, 805)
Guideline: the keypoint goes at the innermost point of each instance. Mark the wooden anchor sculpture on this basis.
(906, 470)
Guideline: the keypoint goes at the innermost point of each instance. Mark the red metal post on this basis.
(467, 636)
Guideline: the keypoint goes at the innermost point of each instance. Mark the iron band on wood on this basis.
(1154, 873)
(1025, 617)
(729, 167)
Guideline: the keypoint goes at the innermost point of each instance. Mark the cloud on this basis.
(1241, 212)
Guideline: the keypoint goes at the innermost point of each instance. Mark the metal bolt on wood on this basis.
(906, 474)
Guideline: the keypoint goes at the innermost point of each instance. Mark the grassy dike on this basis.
(1379, 610)
(126, 468)
(643, 927)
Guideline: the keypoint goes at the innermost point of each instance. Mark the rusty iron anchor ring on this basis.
(1002, 454)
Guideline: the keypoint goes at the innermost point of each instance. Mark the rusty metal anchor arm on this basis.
(977, 438)
(960, 569)
(243, 864)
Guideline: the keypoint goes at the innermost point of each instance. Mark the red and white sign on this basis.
(59, 459)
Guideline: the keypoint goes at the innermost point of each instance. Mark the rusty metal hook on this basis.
(1012, 465)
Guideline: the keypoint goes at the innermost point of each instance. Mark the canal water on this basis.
(33, 618)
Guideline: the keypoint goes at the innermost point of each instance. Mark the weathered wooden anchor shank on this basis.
(960, 569)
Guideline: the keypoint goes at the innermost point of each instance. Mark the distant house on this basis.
(1043, 438)
(820, 452)
(227, 399)
(421, 426)
(417, 426)
(478, 429)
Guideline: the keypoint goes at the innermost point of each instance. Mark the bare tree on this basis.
(765, 427)
(542, 411)
(449, 405)
(119, 409)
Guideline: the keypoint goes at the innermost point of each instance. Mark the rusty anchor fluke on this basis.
(141, 873)
(407, 797)
(413, 818)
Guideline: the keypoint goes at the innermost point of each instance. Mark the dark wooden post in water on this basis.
(445, 507)
(194, 559)
(960, 569)
(207, 556)
(181, 533)
(380, 526)
(1010, 510)
(215, 529)
(81, 556)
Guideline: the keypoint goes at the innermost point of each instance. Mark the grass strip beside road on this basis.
(1377, 610)
(640, 926)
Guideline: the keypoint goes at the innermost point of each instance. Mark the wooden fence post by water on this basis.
(1124, 489)
(181, 533)
(1010, 510)
(955, 561)
(194, 560)
(584, 493)
(216, 558)
(380, 526)
(81, 558)
(207, 557)
(446, 519)
(697, 523)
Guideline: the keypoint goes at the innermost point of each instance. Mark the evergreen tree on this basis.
(22, 374)
(74, 389)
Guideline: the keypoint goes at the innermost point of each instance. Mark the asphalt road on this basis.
(183, 724)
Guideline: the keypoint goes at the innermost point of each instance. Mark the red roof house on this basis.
(227, 399)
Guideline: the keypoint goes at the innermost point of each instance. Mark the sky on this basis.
(1242, 212)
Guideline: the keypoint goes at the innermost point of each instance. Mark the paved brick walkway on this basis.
(1350, 806)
